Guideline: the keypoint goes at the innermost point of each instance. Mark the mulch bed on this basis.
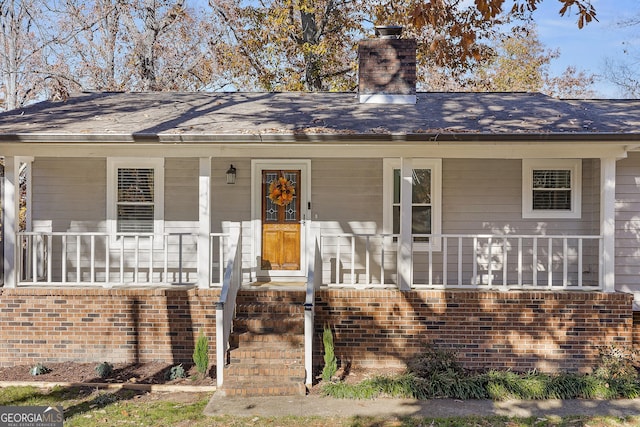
(139, 373)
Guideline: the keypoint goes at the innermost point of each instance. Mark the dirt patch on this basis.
(139, 373)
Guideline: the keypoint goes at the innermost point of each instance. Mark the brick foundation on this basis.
(547, 331)
(114, 325)
(373, 328)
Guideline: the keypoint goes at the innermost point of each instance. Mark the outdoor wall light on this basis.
(231, 175)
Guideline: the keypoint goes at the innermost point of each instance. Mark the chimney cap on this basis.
(388, 31)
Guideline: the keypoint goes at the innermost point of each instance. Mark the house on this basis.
(503, 225)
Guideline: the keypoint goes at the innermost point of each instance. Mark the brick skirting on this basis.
(96, 324)
(373, 328)
(548, 331)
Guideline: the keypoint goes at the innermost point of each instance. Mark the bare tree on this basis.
(623, 71)
(141, 45)
(94, 51)
(26, 40)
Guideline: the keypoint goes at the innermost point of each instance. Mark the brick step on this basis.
(242, 338)
(296, 297)
(267, 345)
(253, 388)
(260, 354)
(270, 372)
(261, 309)
(262, 325)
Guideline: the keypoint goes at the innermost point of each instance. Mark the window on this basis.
(134, 195)
(425, 199)
(551, 188)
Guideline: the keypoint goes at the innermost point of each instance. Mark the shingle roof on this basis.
(228, 114)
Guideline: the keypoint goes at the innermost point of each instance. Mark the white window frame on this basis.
(572, 165)
(435, 165)
(115, 163)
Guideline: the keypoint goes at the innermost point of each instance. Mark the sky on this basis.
(589, 47)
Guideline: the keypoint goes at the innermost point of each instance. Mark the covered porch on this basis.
(355, 249)
(346, 243)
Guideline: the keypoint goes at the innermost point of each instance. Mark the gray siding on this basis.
(181, 191)
(478, 197)
(230, 202)
(485, 196)
(69, 192)
(628, 223)
(347, 194)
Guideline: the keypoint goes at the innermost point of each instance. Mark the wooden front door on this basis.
(281, 219)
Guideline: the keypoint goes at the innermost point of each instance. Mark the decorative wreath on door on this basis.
(281, 191)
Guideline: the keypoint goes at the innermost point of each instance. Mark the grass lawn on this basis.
(89, 407)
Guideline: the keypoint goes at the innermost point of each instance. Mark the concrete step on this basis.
(253, 388)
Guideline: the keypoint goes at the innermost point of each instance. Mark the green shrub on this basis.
(330, 361)
(201, 354)
(176, 372)
(104, 369)
(39, 369)
(437, 374)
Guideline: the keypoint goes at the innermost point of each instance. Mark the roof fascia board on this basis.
(484, 150)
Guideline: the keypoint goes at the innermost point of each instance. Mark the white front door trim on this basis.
(257, 166)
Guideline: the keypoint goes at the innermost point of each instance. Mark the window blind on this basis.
(552, 190)
(135, 200)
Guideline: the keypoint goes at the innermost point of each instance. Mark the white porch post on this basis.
(10, 209)
(204, 221)
(405, 261)
(608, 222)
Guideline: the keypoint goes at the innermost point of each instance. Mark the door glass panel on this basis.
(291, 213)
(271, 209)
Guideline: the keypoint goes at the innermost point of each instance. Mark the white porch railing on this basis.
(466, 261)
(226, 306)
(97, 258)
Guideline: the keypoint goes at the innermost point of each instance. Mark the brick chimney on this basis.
(387, 68)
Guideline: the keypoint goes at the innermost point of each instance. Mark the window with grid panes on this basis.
(425, 199)
(551, 188)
